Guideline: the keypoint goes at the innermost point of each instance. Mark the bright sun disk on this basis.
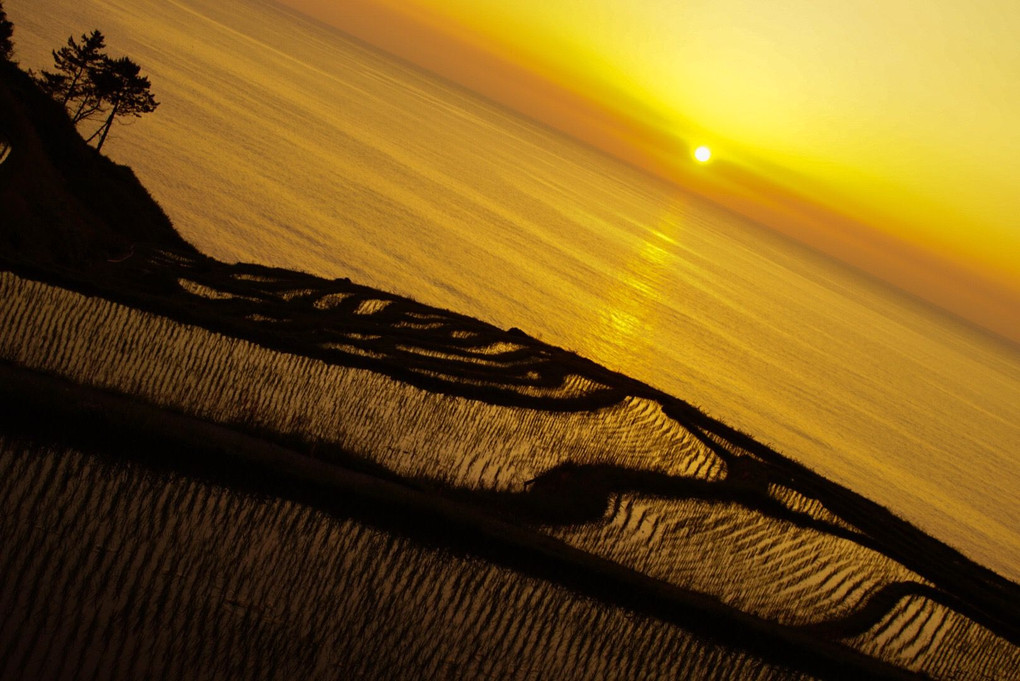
(702, 154)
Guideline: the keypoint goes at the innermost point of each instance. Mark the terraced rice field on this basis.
(113, 572)
(644, 524)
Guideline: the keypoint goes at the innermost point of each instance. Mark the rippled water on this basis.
(282, 142)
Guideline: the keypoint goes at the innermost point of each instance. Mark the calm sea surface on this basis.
(282, 142)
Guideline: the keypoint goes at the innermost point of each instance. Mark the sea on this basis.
(282, 141)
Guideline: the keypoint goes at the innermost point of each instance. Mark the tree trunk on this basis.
(84, 113)
(106, 127)
(78, 114)
(96, 133)
(70, 89)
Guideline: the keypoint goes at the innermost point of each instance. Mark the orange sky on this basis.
(877, 132)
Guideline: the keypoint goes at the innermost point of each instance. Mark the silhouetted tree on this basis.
(120, 84)
(74, 82)
(6, 33)
(91, 85)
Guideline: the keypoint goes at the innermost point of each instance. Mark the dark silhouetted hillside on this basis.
(64, 203)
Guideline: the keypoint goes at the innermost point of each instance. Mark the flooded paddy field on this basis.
(112, 571)
(235, 470)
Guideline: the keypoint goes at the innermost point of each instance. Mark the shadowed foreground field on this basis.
(231, 471)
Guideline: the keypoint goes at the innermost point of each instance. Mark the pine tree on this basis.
(73, 84)
(120, 84)
(91, 85)
(6, 34)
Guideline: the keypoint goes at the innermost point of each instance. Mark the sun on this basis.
(703, 154)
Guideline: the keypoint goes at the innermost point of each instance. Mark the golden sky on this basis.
(884, 132)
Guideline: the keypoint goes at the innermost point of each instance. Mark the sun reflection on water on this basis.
(626, 324)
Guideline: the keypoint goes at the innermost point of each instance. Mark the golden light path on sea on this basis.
(880, 132)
